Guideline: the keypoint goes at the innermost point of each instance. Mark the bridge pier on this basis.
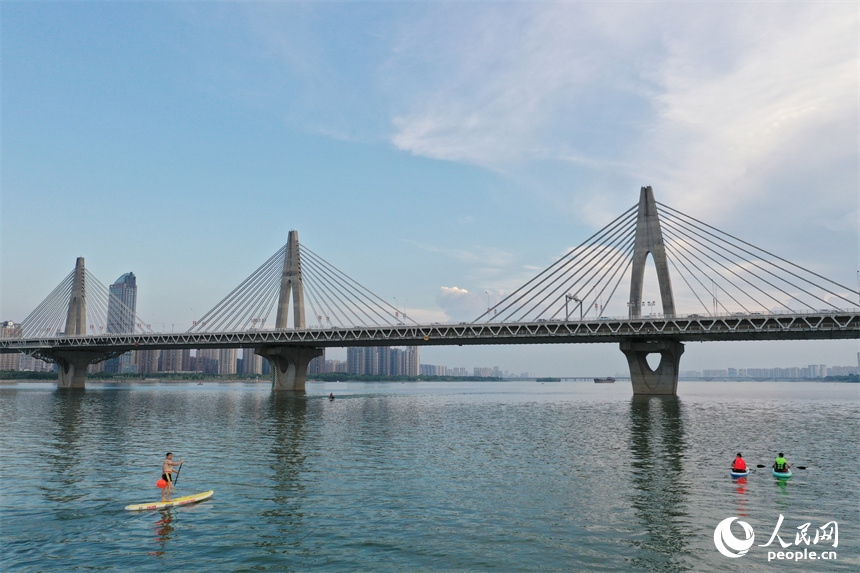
(290, 365)
(72, 366)
(662, 381)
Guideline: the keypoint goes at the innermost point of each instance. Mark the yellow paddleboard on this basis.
(172, 503)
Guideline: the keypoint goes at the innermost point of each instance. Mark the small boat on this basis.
(172, 503)
(607, 380)
(782, 475)
(740, 474)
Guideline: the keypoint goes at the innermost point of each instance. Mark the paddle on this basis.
(795, 467)
(177, 477)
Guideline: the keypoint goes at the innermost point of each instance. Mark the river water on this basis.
(460, 476)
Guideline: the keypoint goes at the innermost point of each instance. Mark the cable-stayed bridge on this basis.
(297, 303)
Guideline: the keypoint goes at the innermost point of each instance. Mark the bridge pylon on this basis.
(76, 317)
(290, 364)
(649, 239)
(291, 280)
(662, 380)
(72, 364)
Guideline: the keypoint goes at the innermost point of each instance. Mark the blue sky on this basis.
(432, 151)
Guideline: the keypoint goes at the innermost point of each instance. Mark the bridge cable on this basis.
(608, 233)
(692, 252)
(372, 300)
(256, 293)
(611, 256)
(669, 251)
(370, 303)
(621, 253)
(753, 263)
(716, 250)
(606, 254)
(672, 249)
(45, 315)
(611, 231)
(340, 292)
(251, 280)
(670, 232)
(706, 226)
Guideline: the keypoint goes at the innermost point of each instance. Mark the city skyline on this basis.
(441, 155)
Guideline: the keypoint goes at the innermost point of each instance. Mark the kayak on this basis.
(782, 475)
(172, 503)
(740, 474)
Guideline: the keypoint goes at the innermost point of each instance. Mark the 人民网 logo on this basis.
(727, 543)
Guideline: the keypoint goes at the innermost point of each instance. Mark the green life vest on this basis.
(780, 464)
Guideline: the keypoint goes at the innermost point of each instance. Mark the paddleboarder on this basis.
(739, 465)
(166, 475)
(780, 465)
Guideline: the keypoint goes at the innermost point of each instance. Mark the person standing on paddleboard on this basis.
(166, 475)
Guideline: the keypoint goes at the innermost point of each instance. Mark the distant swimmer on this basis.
(739, 465)
(167, 475)
(331, 396)
(781, 465)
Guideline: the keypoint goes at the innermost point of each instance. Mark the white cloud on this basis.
(476, 254)
(460, 304)
(715, 105)
(722, 130)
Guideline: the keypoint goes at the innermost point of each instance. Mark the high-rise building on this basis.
(382, 360)
(206, 361)
(413, 360)
(146, 361)
(9, 329)
(252, 363)
(355, 360)
(336, 366)
(227, 361)
(171, 360)
(317, 365)
(27, 362)
(122, 305)
(187, 360)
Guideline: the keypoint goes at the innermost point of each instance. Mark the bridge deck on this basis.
(806, 326)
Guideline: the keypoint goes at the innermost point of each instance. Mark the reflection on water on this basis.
(657, 447)
(163, 530)
(742, 497)
(285, 420)
(68, 428)
(417, 477)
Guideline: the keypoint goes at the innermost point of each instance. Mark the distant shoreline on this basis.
(267, 381)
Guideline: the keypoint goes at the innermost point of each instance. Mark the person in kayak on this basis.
(166, 475)
(739, 465)
(780, 465)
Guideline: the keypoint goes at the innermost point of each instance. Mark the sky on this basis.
(438, 153)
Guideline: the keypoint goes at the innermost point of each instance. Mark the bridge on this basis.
(739, 292)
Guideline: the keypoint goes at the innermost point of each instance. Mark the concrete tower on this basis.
(289, 363)
(662, 380)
